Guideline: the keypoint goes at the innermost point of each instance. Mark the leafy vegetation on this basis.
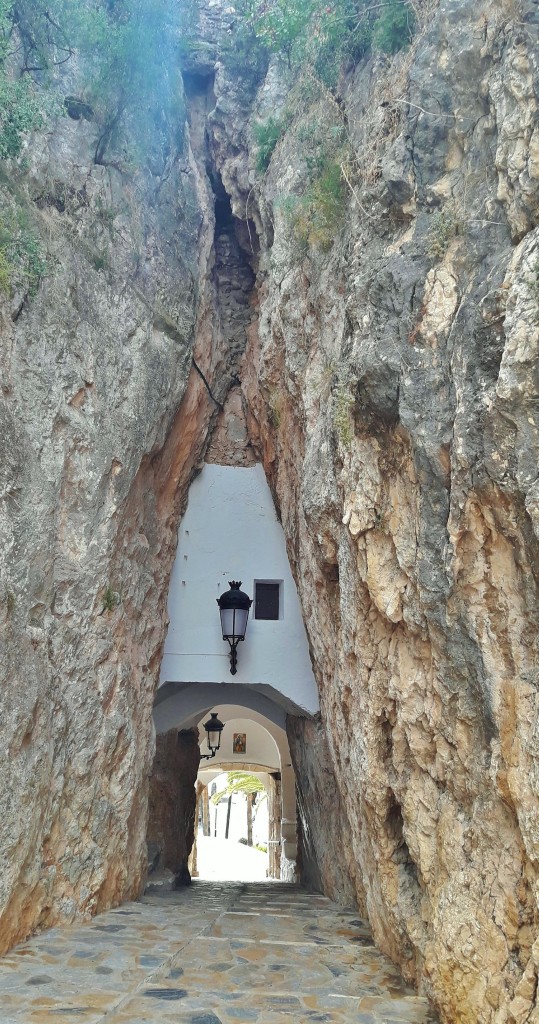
(297, 29)
(239, 782)
(111, 599)
(324, 34)
(123, 55)
(317, 214)
(22, 260)
(266, 135)
(443, 228)
(393, 28)
(127, 44)
(20, 112)
(319, 39)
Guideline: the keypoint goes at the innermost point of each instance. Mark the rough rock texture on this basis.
(230, 444)
(393, 392)
(93, 370)
(102, 420)
(392, 389)
(325, 850)
(172, 800)
(275, 792)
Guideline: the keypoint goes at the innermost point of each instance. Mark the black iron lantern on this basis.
(213, 729)
(234, 611)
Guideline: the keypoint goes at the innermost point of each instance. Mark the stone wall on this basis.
(103, 419)
(392, 389)
(324, 837)
(172, 801)
(93, 370)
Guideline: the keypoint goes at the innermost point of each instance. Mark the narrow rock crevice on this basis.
(233, 280)
(228, 287)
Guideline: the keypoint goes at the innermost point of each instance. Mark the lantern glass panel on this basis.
(214, 739)
(240, 627)
(227, 622)
(234, 622)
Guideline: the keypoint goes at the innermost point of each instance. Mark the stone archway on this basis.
(178, 718)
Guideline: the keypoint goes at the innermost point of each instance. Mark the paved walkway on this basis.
(211, 954)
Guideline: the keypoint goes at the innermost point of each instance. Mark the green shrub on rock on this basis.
(20, 113)
(128, 47)
(266, 135)
(318, 214)
(22, 259)
(393, 29)
(324, 35)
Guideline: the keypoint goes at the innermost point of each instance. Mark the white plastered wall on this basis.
(260, 745)
(230, 531)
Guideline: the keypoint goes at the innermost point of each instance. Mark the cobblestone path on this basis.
(212, 954)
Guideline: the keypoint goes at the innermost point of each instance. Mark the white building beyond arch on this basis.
(230, 531)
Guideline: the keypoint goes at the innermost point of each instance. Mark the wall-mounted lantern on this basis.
(213, 729)
(234, 611)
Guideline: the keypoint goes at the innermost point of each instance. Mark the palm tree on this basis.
(241, 782)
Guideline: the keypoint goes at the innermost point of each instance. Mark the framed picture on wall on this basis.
(239, 744)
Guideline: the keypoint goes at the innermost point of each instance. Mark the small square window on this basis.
(267, 600)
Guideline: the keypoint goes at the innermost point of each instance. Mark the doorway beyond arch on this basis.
(238, 816)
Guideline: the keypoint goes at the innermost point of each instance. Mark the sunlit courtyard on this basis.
(236, 848)
(228, 860)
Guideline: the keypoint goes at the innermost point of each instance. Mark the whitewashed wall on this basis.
(261, 747)
(230, 531)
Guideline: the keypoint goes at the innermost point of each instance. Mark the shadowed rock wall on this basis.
(112, 376)
(93, 371)
(172, 800)
(323, 829)
(102, 420)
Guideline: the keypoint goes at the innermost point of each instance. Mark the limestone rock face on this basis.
(392, 388)
(112, 375)
(93, 370)
(325, 852)
(172, 801)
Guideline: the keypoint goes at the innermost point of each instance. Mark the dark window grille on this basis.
(267, 600)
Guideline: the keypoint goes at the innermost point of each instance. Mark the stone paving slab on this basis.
(211, 954)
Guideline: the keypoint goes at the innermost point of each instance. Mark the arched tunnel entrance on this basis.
(230, 530)
(237, 824)
(246, 774)
(254, 740)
